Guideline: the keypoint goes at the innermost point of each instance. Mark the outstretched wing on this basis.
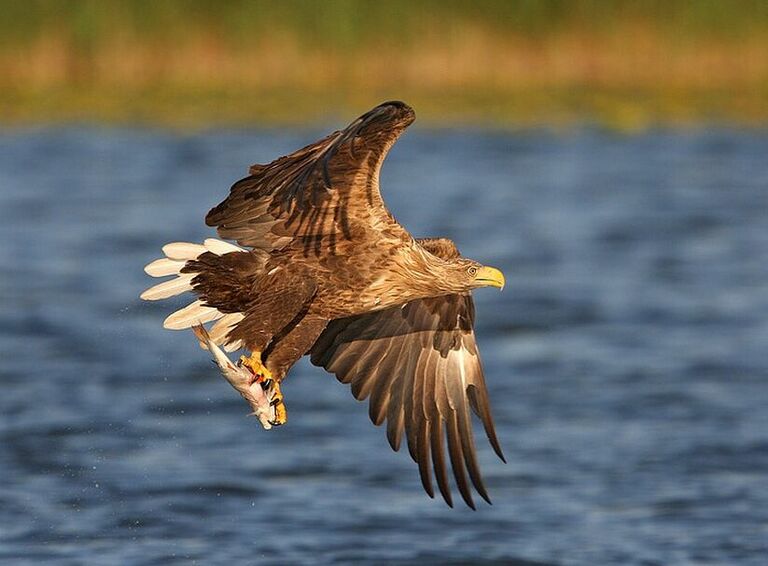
(420, 367)
(319, 195)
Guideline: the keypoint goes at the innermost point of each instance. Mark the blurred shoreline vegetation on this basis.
(624, 63)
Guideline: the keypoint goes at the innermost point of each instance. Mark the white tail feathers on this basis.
(232, 346)
(223, 326)
(177, 255)
(171, 288)
(183, 250)
(194, 313)
(220, 248)
(163, 267)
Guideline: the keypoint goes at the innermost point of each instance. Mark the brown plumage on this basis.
(330, 273)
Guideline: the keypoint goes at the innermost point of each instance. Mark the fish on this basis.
(241, 379)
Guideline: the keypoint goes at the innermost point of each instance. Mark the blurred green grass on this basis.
(346, 23)
(626, 63)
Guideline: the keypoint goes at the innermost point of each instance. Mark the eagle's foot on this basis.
(258, 369)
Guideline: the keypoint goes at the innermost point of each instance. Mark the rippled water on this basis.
(626, 359)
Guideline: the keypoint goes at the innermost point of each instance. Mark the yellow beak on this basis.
(490, 277)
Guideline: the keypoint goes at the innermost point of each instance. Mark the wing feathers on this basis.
(411, 417)
(395, 415)
(478, 400)
(438, 459)
(457, 459)
(380, 395)
(468, 449)
(422, 449)
(420, 368)
(326, 190)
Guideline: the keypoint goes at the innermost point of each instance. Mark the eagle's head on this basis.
(438, 263)
(471, 274)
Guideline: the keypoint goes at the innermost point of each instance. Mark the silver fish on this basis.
(241, 379)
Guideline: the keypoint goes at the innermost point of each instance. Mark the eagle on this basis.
(321, 268)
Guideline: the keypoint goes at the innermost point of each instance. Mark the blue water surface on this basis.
(627, 359)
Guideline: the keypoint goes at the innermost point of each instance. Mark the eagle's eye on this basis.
(472, 270)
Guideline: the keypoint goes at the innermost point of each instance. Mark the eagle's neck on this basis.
(413, 274)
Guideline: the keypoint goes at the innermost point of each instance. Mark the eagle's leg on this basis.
(281, 354)
(269, 384)
(280, 299)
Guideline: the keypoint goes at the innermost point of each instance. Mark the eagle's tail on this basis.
(177, 254)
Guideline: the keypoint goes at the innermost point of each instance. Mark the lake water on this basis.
(627, 359)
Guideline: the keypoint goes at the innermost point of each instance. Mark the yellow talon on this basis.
(281, 414)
